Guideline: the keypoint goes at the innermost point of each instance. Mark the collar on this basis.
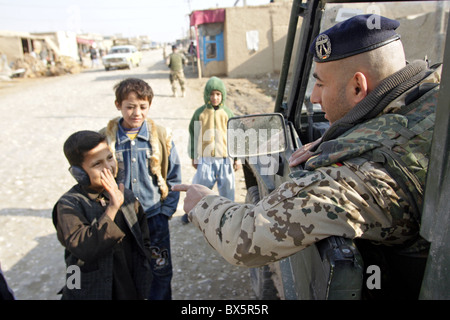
(210, 106)
(142, 134)
(102, 197)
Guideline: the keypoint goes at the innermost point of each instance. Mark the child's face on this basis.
(95, 160)
(215, 97)
(134, 111)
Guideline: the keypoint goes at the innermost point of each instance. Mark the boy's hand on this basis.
(115, 192)
(194, 193)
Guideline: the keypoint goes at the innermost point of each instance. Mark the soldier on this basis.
(175, 61)
(381, 111)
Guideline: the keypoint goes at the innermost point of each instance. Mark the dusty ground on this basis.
(39, 114)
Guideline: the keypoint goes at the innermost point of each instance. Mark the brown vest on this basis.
(160, 142)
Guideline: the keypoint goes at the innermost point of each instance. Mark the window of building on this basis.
(211, 42)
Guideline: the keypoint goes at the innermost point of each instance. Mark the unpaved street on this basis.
(37, 116)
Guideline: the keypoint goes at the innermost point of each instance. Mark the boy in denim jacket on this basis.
(151, 167)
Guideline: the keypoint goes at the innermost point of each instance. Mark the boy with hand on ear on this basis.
(101, 225)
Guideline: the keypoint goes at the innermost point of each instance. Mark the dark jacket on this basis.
(110, 254)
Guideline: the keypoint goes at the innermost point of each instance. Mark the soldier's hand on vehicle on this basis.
(194, 193)
(303, 154)
(194, 163)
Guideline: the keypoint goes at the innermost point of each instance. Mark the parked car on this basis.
(337, 267)
(126, 56)
(145, 47)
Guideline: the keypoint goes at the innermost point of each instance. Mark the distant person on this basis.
(208, 142)
(192, 51)
(94, 56)
(151, 167)
(101, 226)
(44, 56)
(80, 56)
(175, 61)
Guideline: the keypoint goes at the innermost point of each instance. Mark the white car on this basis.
(126, 56)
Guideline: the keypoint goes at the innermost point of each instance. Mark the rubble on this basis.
(35, 68)
(64, 65)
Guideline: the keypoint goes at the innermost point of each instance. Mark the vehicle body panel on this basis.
(122, 57)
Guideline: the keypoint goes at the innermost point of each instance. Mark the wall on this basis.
(11, 46)
(67, 44)
(271, 22)
(214, 68)
(63, 43)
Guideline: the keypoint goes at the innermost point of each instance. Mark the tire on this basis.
(261, 278)
(262, 283)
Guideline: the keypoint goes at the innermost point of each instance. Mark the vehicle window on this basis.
(120, 50)
(211, 52)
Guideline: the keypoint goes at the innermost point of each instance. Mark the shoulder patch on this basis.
(304, 178)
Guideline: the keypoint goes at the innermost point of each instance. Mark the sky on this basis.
(161, 20)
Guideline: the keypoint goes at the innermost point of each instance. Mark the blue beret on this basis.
(353, 36)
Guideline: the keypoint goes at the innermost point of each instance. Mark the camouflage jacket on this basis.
(350, 196)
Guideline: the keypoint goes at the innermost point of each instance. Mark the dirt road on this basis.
(39, 114)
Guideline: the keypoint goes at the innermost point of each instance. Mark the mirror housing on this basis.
(255, 135)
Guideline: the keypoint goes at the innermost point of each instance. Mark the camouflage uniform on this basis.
(175, 62)
(340, 193)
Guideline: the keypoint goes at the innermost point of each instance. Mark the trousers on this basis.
(161, 262)
(211, 170)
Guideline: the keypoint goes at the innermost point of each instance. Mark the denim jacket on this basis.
(135, 156)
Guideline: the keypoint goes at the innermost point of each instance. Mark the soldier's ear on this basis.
(359, 87)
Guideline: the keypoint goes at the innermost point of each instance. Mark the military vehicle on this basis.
(339, 268)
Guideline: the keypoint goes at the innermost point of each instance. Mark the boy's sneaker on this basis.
(184, 219)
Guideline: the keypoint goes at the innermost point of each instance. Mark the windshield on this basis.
(120, 50)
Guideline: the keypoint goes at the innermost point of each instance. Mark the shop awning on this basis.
(85, 41)
(207, 16)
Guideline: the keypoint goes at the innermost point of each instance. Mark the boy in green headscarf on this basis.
(208, 141)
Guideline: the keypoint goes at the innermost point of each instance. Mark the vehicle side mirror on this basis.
(255, 135)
